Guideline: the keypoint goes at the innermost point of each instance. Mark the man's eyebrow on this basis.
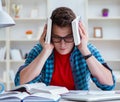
(69, 35)
(55, 35)
(60, 36)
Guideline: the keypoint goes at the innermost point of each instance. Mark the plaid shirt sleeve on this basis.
(96, 54)
(31, 56)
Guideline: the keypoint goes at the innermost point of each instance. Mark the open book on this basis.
(41, 87)
(25, 97)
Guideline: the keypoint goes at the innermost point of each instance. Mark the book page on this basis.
(41, 87)
(28, 87)
(51, 89)
(42, 97)
(18, 96)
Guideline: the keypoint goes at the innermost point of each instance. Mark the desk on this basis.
(62, 100)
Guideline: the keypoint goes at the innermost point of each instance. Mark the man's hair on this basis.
(62, 16)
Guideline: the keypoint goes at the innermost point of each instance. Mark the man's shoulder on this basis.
(37, 47)
(91, 47)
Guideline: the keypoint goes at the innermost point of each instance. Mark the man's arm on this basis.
(103, 75)
(34, 68)
(98, 71)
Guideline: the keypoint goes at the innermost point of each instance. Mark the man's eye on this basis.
(56, 37)
(69, 36)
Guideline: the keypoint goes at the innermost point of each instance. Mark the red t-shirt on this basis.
(62, 75)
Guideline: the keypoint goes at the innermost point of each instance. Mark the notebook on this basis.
(91, 96)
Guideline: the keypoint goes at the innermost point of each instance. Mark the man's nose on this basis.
(62, 42)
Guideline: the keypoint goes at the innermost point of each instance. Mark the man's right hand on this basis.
(47, 48)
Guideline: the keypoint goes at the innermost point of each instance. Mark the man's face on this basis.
(62, 39)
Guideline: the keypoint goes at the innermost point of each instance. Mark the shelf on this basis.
(103, 18)
(4, 82)
(104, 39)
(110, 28)
(13, 61)
(109, 44)
(32, 16)
(2, 40)
(27, 6)
(4, 61)
(30, 19)
(95, 7)
(113, 60)
(24, 40)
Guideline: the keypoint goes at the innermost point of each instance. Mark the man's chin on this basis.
(63, 52)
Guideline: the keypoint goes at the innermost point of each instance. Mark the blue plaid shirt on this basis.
(79, 67)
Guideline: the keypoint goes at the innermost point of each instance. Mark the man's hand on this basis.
(46, 47)
(84, 39)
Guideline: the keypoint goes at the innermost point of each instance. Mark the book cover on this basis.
(75, 29)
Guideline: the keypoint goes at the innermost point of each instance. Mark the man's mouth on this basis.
(62, 49)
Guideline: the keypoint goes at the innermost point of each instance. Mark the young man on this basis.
(61, 62)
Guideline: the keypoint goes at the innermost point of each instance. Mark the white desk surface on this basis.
(62, 100)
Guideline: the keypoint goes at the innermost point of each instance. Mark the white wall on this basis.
(78, 6)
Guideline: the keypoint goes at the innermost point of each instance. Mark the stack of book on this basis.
(37, 92)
